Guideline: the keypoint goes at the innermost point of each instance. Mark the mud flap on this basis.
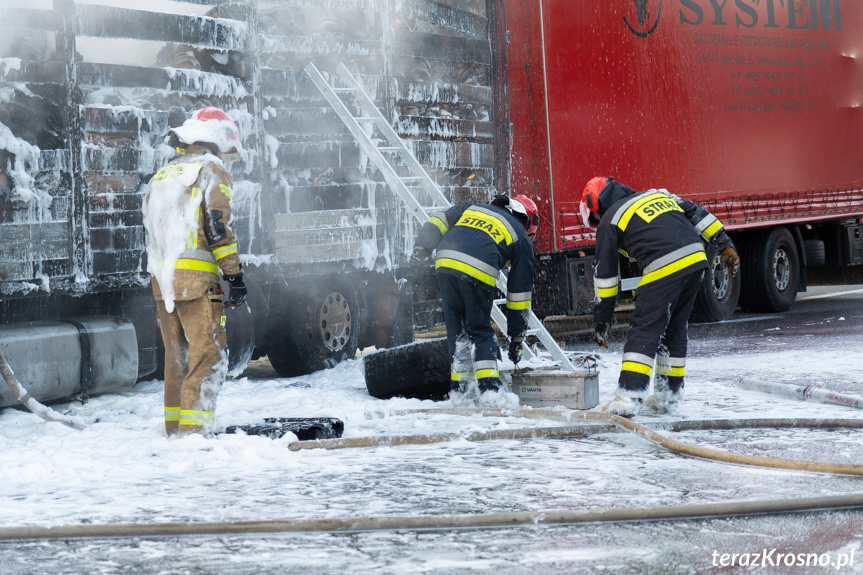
(240, 328)
(305, 428)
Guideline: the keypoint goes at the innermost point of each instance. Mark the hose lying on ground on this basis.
(422, 522)
(802, 392)
(42, 411)
(621, 423)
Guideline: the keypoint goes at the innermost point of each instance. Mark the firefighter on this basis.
(663, 234)
(474, 242)
(187, 216)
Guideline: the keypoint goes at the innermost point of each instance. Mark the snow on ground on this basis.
(121, 468)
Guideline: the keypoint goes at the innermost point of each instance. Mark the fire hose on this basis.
(423, 522)
(37, 408)
(513, 519)
(615, 421)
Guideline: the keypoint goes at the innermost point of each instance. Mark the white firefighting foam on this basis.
(171, 219)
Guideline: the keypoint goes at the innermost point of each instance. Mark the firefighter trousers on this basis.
(659, 332)
(467, 312)
(196, 361)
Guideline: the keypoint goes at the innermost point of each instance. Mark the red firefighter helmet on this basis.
(212, 126)
(589, 207)
(525, 206)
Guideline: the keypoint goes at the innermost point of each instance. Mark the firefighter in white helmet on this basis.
(190, 242)
(664, 235)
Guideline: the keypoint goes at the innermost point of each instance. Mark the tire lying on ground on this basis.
(418, 370)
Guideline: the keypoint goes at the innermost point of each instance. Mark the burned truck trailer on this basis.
(88, 91)
(752, 109)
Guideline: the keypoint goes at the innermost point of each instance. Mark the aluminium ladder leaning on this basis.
(401, 185)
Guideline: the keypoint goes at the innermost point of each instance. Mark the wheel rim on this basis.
(721, 279)
(781, 269)
(331, 324)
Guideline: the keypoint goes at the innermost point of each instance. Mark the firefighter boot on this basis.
(664, 400)
(490, 384)
(667, 384)
(626, 402)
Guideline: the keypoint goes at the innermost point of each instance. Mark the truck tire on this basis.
(321, 331)
(816, 254)
(418, 370)
(770, 266)
(719, 292)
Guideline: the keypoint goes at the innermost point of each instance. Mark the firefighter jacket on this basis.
(479, 240)
(661, 232)
(187, 215)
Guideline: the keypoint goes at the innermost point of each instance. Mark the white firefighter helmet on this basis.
(211, 126)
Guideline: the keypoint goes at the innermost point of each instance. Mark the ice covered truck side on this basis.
(87, 92)
(752, 109)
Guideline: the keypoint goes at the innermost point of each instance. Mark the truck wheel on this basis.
(816, 255)
(420, 370)
(717, 297)
(770, 267)
(322, 330)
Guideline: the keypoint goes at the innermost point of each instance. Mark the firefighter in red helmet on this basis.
(664, 235)
(472, 243)
(190, 242)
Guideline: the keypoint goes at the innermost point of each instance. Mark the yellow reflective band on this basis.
(673, 267)
(517, 304)
(636, 367)
(460, 375)
(227, 250)
(487, 223)
(192, 243)
(636, 208)
(175, 170)
(172, 414)
(225, 190)
(197, 265)
(483, 373)
(670, 366)
(712, 229)
(190, 417)
(606, 293)
(466, 269)
(223, 321)
(441, 225)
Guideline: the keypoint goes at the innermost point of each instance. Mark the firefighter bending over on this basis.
(663, 234)
(187, 215)
(474, 242)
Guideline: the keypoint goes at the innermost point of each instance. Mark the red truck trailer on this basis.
(750, 108)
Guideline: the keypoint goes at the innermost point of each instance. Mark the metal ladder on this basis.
(404, 185)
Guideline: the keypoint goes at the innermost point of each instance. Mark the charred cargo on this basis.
(89, 91)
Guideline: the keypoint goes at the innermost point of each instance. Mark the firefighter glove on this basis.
(730, 260)
(418, 257)
(238, 291)
(600, 334)
(515, 350)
